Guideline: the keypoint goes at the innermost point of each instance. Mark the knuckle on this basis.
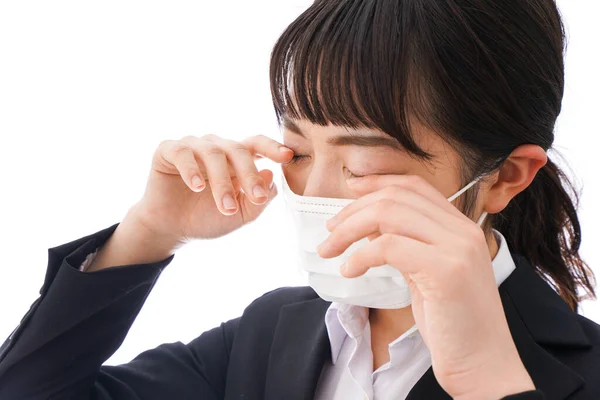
(414, 181)
(210, 137)
(392, 191)
(179, 149)
(383, 205)
(456, 264)
(383, 239)
(474, 234)
(386, 240)
(251, 177)
(192, 170)
(261, 139)
(470, 245)
(240, 149)
(213, 150)
(165, 145)
(188, 138)
(221, 186)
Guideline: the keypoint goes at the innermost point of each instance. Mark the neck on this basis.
(391, 323)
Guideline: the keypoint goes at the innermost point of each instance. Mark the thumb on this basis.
(251, 211)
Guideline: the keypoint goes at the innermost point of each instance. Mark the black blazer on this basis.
(275, 350)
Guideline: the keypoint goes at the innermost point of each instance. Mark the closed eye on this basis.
(353, 175)
(297, 157)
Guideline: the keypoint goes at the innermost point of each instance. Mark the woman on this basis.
(390, 108)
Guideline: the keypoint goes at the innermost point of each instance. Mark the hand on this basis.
(445, 259)
(228, 193)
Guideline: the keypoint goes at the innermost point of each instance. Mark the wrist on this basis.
(498, 380)
(133, 242)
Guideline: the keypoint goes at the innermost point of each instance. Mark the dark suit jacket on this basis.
(275, 350)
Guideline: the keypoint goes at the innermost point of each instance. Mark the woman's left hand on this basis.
(445, 259)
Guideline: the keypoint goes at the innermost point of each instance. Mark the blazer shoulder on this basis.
(591, 329)
(586, 362)
(275, 299)
(259, 320)
(264, 311)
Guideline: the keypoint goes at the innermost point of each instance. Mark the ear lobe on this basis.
(515, 175)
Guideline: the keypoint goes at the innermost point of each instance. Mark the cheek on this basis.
(444, 178)
(296, 177)
(317, 181)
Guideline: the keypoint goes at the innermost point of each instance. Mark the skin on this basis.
(401, 206)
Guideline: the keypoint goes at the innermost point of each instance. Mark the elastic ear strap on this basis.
(461, 191)
(480, 220)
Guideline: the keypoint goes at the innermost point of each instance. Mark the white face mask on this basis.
(380, 287)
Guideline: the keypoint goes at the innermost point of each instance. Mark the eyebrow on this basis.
(353, 139)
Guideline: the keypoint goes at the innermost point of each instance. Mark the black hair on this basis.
(486, 76)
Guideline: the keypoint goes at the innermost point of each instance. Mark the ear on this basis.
(515, 175)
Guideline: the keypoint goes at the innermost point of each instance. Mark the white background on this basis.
(89, 89)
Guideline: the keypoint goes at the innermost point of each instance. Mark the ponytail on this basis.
(541, 224)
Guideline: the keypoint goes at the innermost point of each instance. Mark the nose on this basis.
(323, 183)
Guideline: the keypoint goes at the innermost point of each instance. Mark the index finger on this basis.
(264, 146)
(414, 183)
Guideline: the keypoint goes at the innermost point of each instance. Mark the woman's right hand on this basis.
(230, 193)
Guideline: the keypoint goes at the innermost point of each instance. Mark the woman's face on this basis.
(325, 156)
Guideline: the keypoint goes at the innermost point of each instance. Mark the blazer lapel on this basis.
(540, 322)
(299, 350)
(537, 317)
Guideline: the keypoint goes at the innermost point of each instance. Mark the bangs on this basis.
(353, 63)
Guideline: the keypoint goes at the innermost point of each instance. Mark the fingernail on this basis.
(229, 203)
(272, 184)
(197, 182)
(329, 224)
(283, 149)
(319, 247)
(343, 268)
(259, 192)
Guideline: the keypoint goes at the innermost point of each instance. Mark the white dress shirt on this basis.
(88, 260)
(350, 376)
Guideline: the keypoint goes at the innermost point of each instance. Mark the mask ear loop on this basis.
(480, 220)
(461, 191)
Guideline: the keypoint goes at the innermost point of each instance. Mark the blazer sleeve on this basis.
(80, 319)
(530, 395)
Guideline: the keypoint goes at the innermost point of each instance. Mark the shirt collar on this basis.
(344, 320)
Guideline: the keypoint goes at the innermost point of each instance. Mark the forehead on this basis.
(362, 137)
(306, 128)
